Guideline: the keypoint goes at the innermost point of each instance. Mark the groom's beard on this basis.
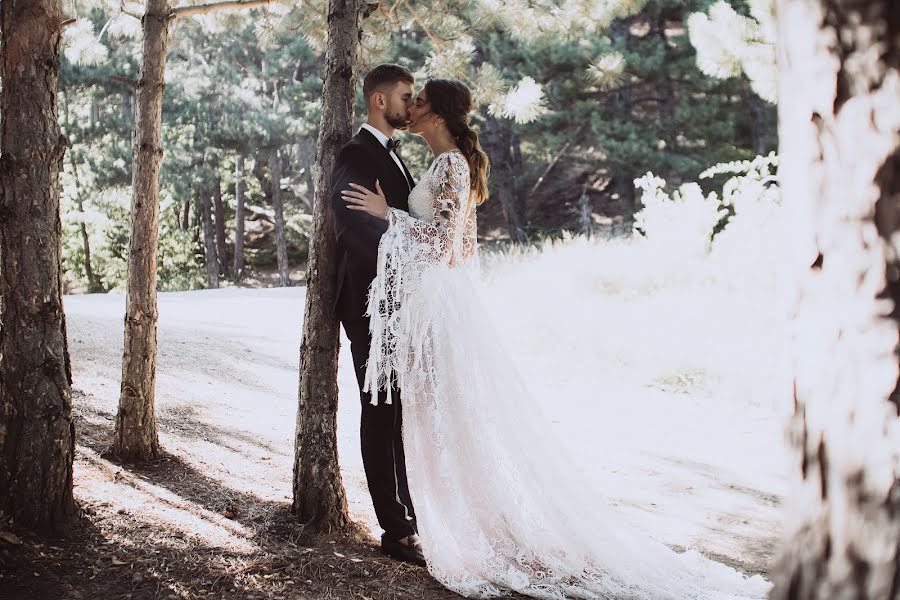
(400, 121)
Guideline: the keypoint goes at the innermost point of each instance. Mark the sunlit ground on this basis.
(662, 370)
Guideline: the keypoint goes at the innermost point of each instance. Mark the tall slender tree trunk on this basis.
(239, 188)
(839, 127)
(623, 180)
(284, 279)
(135, 435)
(498, 142)
(37, 437)
(93, 283)
(667, 91)
(221, 249)
(756, 118)
(128, 104)
(209, 242)
(319, 498)
(186, 213)
(308, 157)
(586, 212)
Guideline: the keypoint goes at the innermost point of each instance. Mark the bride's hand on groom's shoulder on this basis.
(361, 198)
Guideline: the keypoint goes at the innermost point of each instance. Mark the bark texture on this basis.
(37, 437)
(284, 279)
(319, 498)
(186, 214)
(221, 249)
(502, 145)
(135, 436)
(240, 187)
(209, 244)
(839, 126)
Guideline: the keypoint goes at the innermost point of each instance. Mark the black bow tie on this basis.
(393, 145)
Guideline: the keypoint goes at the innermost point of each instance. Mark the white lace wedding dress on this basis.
(500, 508)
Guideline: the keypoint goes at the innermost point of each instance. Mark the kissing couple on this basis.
(465, 475)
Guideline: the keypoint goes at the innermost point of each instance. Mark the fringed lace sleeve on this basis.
(407, 250)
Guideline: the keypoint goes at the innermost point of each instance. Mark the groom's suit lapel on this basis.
(387, 163)
(409, 177)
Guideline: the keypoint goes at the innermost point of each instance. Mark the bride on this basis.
(500, 507)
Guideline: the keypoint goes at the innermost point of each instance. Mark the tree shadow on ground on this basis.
(166, 529)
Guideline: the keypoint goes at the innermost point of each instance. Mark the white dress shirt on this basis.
(384, 142)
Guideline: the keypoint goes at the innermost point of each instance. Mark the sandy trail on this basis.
(690, 470)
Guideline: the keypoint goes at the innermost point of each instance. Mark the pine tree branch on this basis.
(204, 9)
(559, 155)
(125, 12)
(131, 82)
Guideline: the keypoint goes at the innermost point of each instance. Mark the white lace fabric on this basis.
(500, 505)
(439, 231)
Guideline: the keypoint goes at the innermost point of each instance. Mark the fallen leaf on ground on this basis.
(11, 538)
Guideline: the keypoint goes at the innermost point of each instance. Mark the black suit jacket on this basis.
(362, 160)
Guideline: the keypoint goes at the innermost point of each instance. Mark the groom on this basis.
(369, 156)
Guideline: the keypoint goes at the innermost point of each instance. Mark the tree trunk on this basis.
(186, 214)
(307, 157)
(839, 120)
(498, 143)
(209, 242)
(284, 271)
(667, 91)
(319, 498)
(623, 187)
(128, 104)
(93, 283)
(756, 118)
(624, 176)
(135, 436)
(221, 250)
(587, 212)
(239, 188)
(37, 437)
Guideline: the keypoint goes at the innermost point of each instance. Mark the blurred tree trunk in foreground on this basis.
(839, 126)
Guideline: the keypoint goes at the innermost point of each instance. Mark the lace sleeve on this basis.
(407, 250)
(440, 240)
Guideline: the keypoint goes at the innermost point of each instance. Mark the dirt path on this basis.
(210, 520)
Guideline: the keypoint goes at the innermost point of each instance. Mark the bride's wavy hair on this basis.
(452, 100)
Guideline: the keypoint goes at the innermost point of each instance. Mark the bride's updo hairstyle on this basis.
(452, 100)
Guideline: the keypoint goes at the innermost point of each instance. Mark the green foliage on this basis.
(613, 84)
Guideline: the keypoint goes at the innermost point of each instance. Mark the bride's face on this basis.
(421, 119)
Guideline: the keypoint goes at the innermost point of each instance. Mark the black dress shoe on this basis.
(411, 553)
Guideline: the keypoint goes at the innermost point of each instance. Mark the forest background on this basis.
(570, 120)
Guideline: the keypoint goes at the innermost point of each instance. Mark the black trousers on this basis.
(381, 440)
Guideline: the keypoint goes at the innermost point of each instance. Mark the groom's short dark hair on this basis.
(386, 74)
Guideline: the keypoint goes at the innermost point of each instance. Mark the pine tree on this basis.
(37, 436)
(135, 434)
(319, 498)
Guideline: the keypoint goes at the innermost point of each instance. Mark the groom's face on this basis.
(398, 99)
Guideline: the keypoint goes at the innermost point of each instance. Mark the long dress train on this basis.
(501, 506)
